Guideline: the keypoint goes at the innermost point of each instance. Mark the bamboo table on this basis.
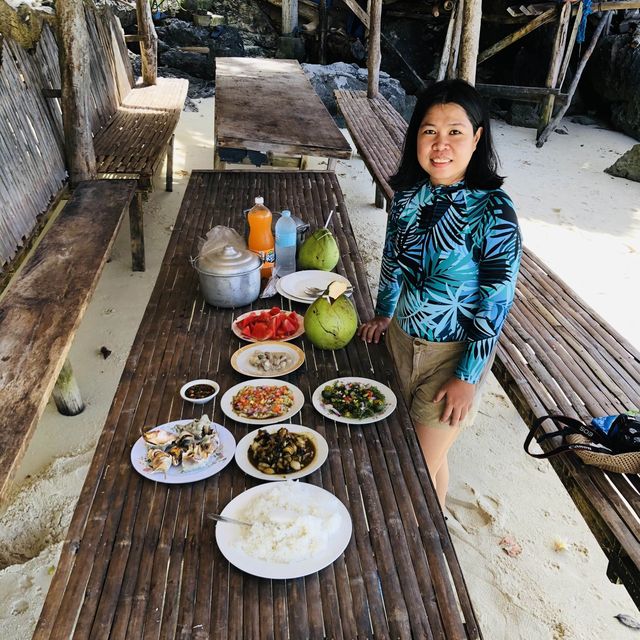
(140, 559)
(265, 107)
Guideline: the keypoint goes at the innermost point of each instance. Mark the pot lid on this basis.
(228, 261)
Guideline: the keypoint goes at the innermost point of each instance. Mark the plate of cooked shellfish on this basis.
(267, 359)
(281, 452)
(183, 451)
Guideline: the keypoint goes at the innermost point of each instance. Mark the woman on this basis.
(449, 267)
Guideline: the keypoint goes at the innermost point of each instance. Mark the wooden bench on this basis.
(555, 355)
(42, 308)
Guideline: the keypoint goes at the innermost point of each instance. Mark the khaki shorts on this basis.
(422, 368)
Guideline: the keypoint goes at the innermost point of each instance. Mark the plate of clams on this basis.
(183, 451)
(281, 452)
(269, 359)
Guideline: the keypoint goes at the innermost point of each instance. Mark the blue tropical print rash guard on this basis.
(449, 267)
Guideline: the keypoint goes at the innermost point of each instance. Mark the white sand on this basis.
(582, 222)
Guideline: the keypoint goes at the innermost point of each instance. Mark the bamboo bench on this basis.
(555, 355)
(42, 308)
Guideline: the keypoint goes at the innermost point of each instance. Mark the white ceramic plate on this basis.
(227, 535)
(322, 451)
(227, 398)
(294, 284)
(240, 360)
(238, 332)
(176, 475)
(389, 396)
(284, 294)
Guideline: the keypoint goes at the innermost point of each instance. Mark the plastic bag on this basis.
(217, 238)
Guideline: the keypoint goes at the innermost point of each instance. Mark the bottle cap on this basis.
(285, 213)
(259, 200)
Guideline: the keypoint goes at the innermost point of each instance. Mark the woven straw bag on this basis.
(574, 440)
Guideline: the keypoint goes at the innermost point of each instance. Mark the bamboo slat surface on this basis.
(44, 305)
(31, 149)
(269, 105)
(140, 560)
(555, 355)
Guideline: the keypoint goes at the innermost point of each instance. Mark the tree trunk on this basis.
(373, 55)
(74, 69)
(470, 41)
(149, 42)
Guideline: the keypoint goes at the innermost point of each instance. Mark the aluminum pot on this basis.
(229, 277)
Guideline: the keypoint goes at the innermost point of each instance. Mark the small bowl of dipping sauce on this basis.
(200, 391)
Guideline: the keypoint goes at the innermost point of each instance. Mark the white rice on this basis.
(289, 524)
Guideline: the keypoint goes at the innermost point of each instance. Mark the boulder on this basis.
(627, 166)
(613, 76)
(340, 75)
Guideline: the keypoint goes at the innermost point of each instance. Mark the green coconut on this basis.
(331, 321)
(319, 251)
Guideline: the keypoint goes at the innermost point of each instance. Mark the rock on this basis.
(613, 76)
(340, 75)
(627, 166)
(523, 114)
(562, 130)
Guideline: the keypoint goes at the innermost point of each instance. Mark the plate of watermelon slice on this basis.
(268, 324)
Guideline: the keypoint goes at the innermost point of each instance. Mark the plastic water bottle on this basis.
(286, 235)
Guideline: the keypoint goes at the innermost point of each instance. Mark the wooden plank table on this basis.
(269, 106)
(140, 558)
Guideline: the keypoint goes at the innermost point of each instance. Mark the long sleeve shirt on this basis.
(449, 267)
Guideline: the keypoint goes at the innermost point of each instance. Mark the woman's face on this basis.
(446, 143)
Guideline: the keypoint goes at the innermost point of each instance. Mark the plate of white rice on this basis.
(297, 529)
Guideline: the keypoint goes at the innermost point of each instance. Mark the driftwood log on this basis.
(148, 42)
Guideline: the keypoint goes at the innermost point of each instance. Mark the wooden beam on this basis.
(133, 38)
(359, 11)
(557, 53)
(149, 42)
(544, 135)
(452, 66)
(523, 94)
(538, 21)
(569, 51)
(74, 68)
(323, 16)
(289, 16)
(446, 49)
(470, 40)
(374, 55)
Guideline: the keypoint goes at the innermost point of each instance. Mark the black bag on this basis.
(610, 442)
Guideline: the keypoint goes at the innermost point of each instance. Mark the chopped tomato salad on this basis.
(272, 324)
(265, 401)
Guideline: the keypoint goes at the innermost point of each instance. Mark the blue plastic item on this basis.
(286, 235)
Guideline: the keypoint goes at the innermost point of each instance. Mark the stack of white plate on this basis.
(295, 284)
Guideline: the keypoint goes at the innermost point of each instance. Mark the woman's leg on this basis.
(435, 443)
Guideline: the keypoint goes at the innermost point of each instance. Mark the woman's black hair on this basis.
(482, 170)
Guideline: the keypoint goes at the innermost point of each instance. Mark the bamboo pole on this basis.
(470, 40)
(149, 42)
(374, 56)
(557, 53)
(543, 137)
(452, 66)
(289, 17)
(446, 49)
(74, 66)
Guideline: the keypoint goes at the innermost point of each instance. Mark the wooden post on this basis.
(452, 65)
(569, 51)
(542, 138)
(66, 392)
(374, 55)
(136, 228)
(446, 49)
(323, 17)
(74, 67)
(557, 53)
(470, 40)
(289, 17)
(149, 42)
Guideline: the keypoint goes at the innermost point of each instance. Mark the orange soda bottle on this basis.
(260, 235)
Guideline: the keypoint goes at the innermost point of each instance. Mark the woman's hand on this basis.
(372, 331)
(458, 398)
